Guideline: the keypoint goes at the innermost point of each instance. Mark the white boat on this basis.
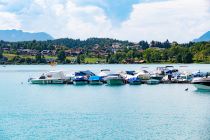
(142, 74)
(130, 77)
(104, 72)
(202, 83)
(51, 77)
(114, 79)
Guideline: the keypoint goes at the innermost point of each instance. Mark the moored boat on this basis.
(114, 79)
(134, 81)
(95, 80)
(80, 80)
(153, 81)
(81, 77)
(202, 83)
(51, 77)
(143, 74)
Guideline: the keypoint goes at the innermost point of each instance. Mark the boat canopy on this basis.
(54, 75)
(95, 78)
(84, 73)
(130, 72)
(134, 79)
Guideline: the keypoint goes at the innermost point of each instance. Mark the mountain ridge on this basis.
(204, 37)
(19, 35)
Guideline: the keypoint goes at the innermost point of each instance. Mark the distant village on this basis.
(96, 50)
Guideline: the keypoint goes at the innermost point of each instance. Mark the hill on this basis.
(204, 37)
(19, 35)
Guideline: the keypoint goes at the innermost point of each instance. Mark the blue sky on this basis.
(116, 10)
(134, 20)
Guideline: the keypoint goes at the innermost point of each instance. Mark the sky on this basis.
(133, 20)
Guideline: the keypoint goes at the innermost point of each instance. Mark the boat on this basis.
(156, 76)
(142, 74)
(95, 80)
(134, 81)
(114, 79)
(153, 81)
(80, 80)
(130, 77)
(81, 77)
(104, 73)
(51, 77)
(201, 83)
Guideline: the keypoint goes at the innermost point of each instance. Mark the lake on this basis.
(164, 111)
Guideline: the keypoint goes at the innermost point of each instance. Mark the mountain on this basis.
(19, 35)
(204, 37)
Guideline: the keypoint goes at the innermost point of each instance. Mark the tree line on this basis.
(153, 52)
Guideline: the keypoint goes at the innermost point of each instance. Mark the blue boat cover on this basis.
(95, 78)
(134, 79)
(84, 73)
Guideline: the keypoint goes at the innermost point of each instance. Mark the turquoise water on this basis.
(100, 112)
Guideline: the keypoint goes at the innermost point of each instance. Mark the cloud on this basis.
(65, 19)
(180, 20)
(9, 21)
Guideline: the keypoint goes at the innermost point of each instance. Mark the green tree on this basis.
(38, 58)
(80, 59)
(178, 58)
(1, 54)
(187, 57)
(61, 56)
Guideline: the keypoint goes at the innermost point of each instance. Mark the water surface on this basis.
(100, 112)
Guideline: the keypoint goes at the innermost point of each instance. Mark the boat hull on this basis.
(202, 87)
(95, 82)
(153, 82)
(201, 83)
(80, 82)
(47, 81)
(115, 82)
(135, 83)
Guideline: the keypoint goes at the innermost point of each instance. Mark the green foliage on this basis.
(1, 54)
(80, 59)
(61, 56)
(155, 52)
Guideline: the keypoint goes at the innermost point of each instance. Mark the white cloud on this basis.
(65, 19)
(180, 20)
(9, 21)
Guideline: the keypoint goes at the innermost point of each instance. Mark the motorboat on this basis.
(104, 72)
(81, 77)
(130, 77)
(153, 82)
(80, 80)
(184, 77)
(202, 83)
(95, 80)
(114, 79)
(156, 76)
(51, 77)
(142, 74)
(134, 81)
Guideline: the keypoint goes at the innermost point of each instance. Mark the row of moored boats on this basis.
(166, 74)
